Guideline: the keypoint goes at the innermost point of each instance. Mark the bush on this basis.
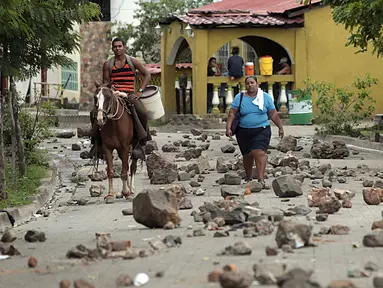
(34, 129)
(342, 110)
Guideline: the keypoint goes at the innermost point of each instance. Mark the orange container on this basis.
(249, 68)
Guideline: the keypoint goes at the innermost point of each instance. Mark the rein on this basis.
(115, 101)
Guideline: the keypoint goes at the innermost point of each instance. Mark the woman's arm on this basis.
(274, 116)
(229, 122)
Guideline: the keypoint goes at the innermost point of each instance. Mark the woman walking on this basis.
(253, 132)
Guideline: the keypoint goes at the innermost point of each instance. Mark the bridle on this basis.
(108, 112)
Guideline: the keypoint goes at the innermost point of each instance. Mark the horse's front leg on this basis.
(124, 156)
(109, 170)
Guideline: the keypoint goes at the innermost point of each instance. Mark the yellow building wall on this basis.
(329, 60)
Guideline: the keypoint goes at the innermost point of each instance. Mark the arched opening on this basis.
(181, 51)
(251, 49)
(264, 46)
(181, 58)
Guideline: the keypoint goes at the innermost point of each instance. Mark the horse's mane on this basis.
(114, 101)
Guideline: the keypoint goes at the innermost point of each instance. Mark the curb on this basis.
(357, 143)
(24, 213)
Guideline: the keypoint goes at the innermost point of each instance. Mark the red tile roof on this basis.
(237, 19)
(242, 12)
(254, 7)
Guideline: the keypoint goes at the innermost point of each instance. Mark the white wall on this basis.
(54, 77)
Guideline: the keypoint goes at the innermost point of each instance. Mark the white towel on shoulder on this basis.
(260, 99)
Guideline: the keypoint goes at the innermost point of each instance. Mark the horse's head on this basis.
(102, 99)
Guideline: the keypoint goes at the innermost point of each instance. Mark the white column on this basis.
(270, 91)
(283, 98)
(215, 100)
(229, 97)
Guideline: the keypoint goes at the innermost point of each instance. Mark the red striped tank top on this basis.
(123, 78)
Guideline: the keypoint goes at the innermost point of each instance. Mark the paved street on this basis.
(189, 264)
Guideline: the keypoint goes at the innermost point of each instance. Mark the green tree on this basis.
(144, 37)
(363, 19)
(35, 34)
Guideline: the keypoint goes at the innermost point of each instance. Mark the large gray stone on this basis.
(286, 186)
(157, 161)
(288, 143)
(296, 235)
(164, 176)
(155, 208)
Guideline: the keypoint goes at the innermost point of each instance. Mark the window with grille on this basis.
(223, 57)
(71, 74)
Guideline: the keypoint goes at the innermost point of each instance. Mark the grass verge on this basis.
(27, 186)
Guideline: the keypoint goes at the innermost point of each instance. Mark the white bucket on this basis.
(151, 99)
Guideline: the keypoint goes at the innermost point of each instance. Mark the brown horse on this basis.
(116, 131)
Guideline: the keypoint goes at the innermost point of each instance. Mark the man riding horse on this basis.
(120, 70)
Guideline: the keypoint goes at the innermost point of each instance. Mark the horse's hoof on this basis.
(109, 199)
(127, 194)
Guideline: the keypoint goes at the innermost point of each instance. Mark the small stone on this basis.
(194, 184)
(34, 236)
(199, 192)
(198, 233)
(358, 273)
(169, 226)
(342, 180)
(96, 190)
(300, 210)
(64, 284)
(329, 205)
(339, 230)
(321, 217)
(377, 225)
(326, 183)
(82, 284)
(368, 183)
(378, 281)
(228, 148)
(372, 196)
(127, 212)
(124, 281)
(214, 276)
(239, 248)
(185, 204)
(371, 266)
(344, 194)
(172, 241)
(341, 284)
(296, 235)
(374, 239)
(76, 147)
(346, 203)
(8, 236)
(230, 279)
(32, 262)
(287, 248)
(82, 202)
(221, 234)
(271, 251)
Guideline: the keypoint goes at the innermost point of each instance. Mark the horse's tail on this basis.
(137, 155)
